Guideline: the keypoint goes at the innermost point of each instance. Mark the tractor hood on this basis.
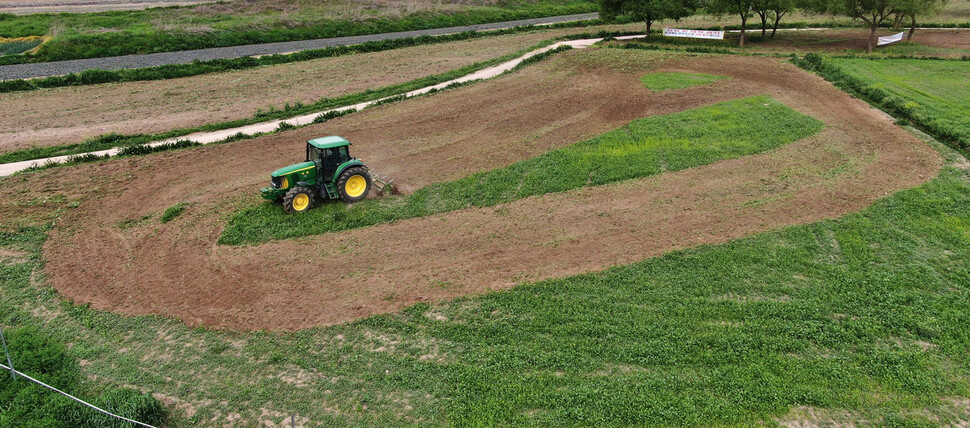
(293, 168)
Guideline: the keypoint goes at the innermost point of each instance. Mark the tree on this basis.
(774, 10)
(647, 11)
(742, 8)
(763, 9)
(780, 8)
(913, 8)
(872, 12)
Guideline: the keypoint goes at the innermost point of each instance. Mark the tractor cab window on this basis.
(314, 154)
(336, 155)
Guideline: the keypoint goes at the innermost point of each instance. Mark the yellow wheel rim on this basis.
(355, 186)
(301, 202)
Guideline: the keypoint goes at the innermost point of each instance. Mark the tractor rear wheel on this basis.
(353, 184)
(298, 200)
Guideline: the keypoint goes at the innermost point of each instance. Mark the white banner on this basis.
(694, 34)
(890, 39)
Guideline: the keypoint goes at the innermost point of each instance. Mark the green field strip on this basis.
(665, 81)
(932, 93)
(642, 148)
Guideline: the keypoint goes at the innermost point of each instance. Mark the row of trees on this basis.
(872, 12)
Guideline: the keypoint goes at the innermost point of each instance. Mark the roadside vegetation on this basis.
(857, 319)
(642, 148)
(221, 24)
(933, 94)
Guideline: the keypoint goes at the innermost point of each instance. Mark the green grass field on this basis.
(665, 81)
(934, 93)
(642, 148)
(862, 318)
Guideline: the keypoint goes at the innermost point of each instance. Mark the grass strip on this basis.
(137, 36)
(642, 148)
(932, 94)
(665, 81)
(665, 46)
(861, 319)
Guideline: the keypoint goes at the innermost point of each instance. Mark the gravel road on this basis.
(26, 71)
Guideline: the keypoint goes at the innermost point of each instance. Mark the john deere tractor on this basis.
(329, 172)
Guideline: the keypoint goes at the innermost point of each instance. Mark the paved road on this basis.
(25, 71)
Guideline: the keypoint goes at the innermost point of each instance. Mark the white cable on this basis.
(78, 399)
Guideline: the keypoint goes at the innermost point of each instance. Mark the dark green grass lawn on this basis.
(865, 317)
(666, 81)
(936, 93)
(644, 147)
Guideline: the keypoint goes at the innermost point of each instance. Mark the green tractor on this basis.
(329, 172)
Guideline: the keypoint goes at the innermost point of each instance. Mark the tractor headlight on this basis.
(280, 182)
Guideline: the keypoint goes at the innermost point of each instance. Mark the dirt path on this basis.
(176, 269)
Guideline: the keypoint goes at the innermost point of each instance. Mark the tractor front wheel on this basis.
(298, 200)
(353, 184)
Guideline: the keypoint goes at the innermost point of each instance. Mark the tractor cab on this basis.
(327, 154)
(329, 172)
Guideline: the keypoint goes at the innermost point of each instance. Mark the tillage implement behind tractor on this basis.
(329, 172)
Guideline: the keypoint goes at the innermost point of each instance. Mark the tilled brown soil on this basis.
(177, 269)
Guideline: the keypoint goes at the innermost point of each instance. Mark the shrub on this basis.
(173, 211)
(145, 149)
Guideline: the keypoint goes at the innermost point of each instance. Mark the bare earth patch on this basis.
(8, 256)
(177, 269)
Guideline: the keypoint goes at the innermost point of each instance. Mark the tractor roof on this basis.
(328, 142)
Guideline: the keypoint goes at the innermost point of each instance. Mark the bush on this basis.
(172, 212)
(145, 149)
(332, 114)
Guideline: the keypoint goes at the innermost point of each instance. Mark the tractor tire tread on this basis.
(288, 198)
(342, 183)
